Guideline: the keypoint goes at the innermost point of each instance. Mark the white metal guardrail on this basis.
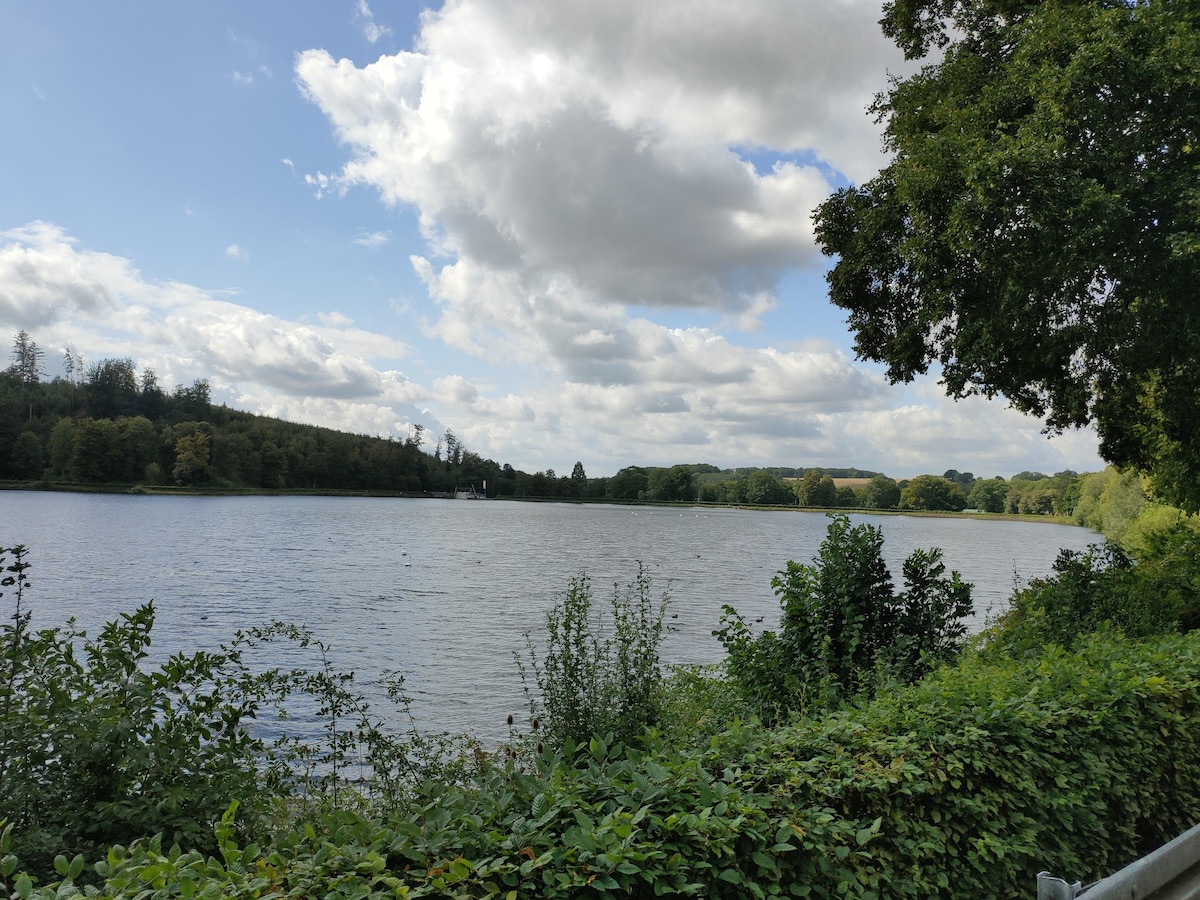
(1172, 872)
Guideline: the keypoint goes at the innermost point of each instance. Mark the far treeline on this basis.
(106, 423)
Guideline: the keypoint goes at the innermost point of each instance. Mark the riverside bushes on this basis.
(965, 785)
(844, 631)
(94, 750)
(97, 747)
(596, 676)
(1153, 591)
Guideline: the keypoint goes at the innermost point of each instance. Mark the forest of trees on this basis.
(107, 423)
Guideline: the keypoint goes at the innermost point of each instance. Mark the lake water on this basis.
(443, 591)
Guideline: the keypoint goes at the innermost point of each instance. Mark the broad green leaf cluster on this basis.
(1034, 232)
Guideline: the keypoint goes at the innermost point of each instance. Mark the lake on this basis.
(444, 591)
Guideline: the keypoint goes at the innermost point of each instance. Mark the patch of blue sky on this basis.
(765, 159)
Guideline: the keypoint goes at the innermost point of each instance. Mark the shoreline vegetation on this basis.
(180, 491)
(866, 746)
(107, 427)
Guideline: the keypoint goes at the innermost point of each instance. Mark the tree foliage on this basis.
(881, 492)
(27, 358)
(932, 492)
(1036, 230)
(816, 489)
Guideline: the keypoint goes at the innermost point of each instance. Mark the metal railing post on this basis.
(1051, 888)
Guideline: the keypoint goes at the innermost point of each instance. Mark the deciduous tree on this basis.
(881, 492)
(933, 493)
(1036, 232)
(987, 495)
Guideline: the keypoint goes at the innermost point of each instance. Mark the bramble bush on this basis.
(844, 630)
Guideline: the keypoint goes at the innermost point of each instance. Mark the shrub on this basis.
(98, 748)
(984, 774)
(1154, 592)
(844, 630)
(965, 785)
(697, 703)
(597, 679)
(95, 751)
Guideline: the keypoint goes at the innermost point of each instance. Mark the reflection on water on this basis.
(441, 591)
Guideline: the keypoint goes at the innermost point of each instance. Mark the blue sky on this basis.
(566, 231)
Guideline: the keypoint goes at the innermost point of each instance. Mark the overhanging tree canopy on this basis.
(1037, 231)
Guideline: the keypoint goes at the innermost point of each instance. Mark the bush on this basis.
(963, 786)
(97, 748)
(597, 679)
(95, 751)
(696, 704)
(1154, 592)
(844, 631)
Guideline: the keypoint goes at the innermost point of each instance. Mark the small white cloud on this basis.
(373, 239)
(241, 254)
(372, 30)
(244, 79)
(334, 319)
(456, 389)
(291, 165)
(37, 92)
(188, 211)
(322, 182)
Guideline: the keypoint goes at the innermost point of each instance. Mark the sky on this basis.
(567, 231)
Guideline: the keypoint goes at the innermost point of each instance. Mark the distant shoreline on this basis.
(162, 490)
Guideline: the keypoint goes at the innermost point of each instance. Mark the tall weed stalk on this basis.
(597, 677)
